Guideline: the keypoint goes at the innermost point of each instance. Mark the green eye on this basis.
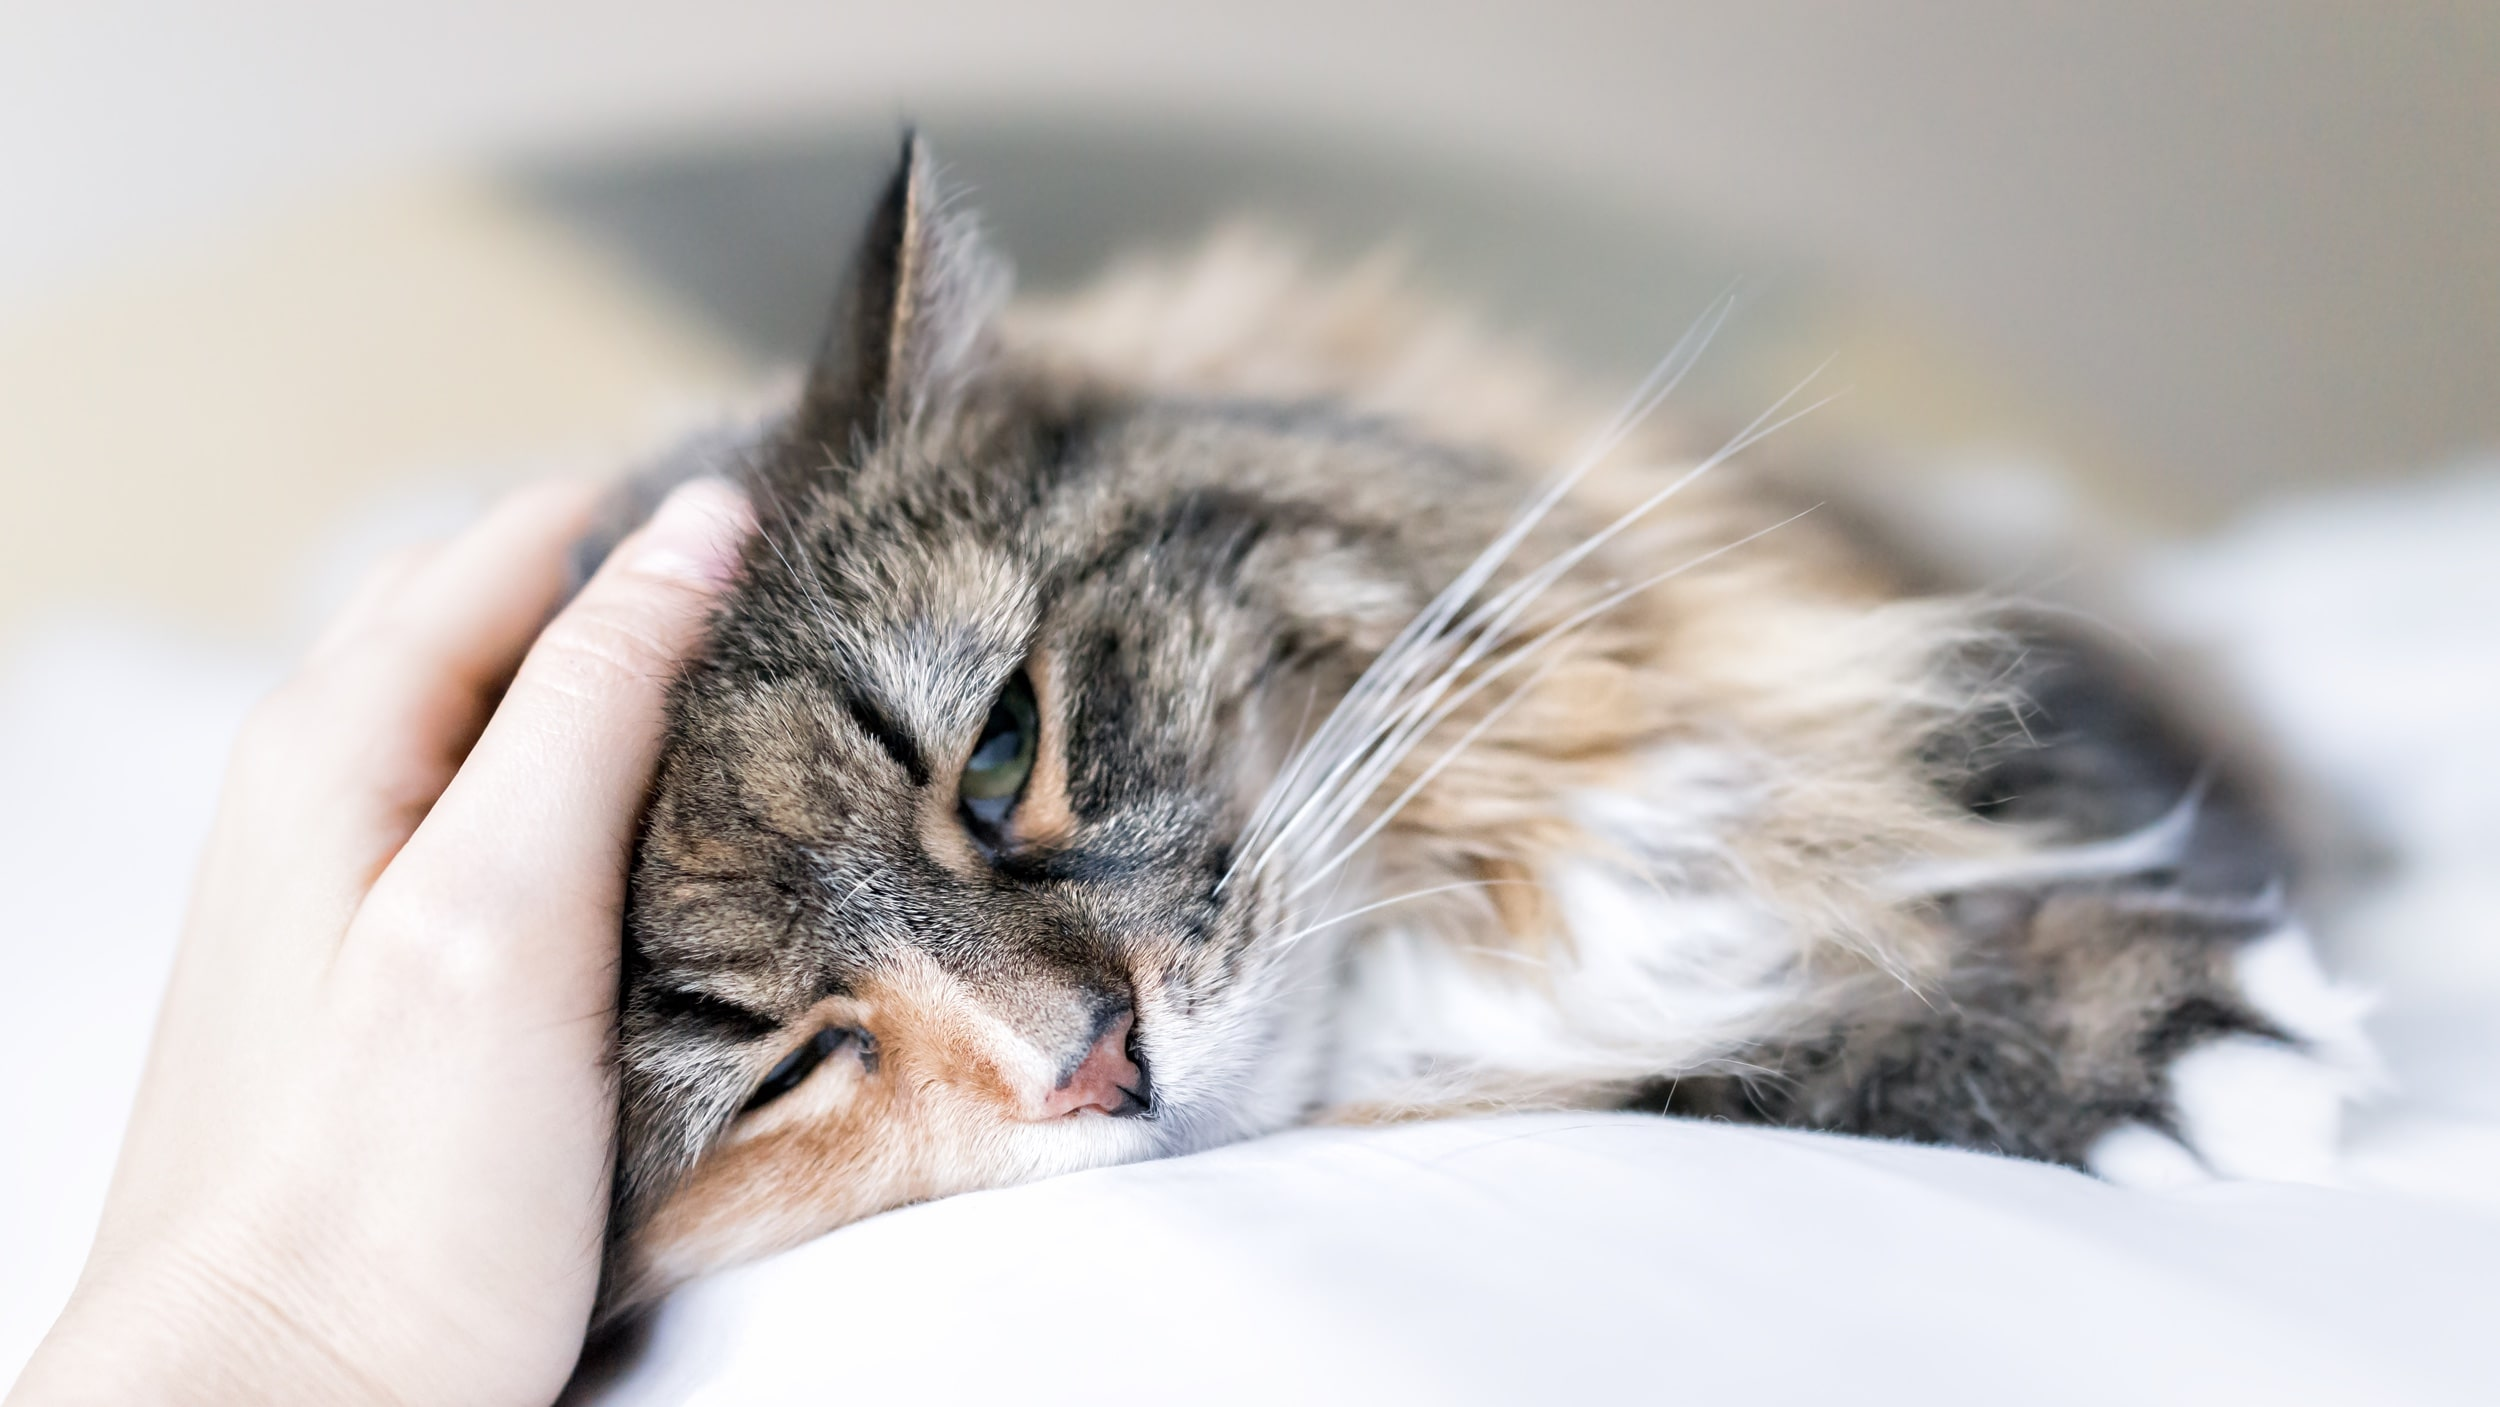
(1003, 758)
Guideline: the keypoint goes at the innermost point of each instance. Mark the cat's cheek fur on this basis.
(1661, 952)
(953, 1104)
(1235, 1059)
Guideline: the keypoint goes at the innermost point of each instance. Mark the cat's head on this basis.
(942, 884)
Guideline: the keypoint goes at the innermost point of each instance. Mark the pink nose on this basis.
(1106, 1081)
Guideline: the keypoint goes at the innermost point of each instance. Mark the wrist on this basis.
(165, 1327)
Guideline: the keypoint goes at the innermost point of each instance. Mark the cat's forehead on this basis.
(931, 556)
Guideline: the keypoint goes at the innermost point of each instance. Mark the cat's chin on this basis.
(720, 1219)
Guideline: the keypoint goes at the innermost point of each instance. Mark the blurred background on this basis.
(272, 266)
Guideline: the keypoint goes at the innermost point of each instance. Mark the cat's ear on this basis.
(912, 319)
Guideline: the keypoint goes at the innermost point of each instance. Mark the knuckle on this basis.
(453, 953)
(391, 568)
(273, 730)
(385, 639)
(357, 726)
(322, 699)
(599, 648)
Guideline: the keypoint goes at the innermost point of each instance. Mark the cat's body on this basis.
(1152, 720)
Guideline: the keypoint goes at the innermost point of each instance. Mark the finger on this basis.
(337, 768)
(334, 771)
(382, 580)
(478, 602)
(456, 623)
(524, 856)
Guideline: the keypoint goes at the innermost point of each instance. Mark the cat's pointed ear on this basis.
(913, 316)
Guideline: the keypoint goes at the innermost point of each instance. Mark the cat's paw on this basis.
(2252, 1107)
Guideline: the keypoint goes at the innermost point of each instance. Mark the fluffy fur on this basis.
(1414, 737)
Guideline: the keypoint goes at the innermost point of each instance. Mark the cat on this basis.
(1230, 698)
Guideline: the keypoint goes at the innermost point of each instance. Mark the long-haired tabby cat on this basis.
(1227, 700)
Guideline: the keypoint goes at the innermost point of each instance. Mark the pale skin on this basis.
(369, 1159)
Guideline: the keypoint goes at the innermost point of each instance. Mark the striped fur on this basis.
(1415, 737)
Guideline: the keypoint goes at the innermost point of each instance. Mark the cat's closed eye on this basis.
(1002, 758)
(795, 1067)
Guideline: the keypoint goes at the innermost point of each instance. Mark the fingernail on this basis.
(697, 533)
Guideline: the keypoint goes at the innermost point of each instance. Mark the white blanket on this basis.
(1609, 1258)
(1548, 1258)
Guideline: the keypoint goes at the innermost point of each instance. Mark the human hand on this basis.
(369, 1159)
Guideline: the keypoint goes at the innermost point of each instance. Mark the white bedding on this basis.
(1569, 1258)
(1609, 1258)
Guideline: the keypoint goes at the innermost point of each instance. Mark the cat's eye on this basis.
(1002, 758)
(801, 1063)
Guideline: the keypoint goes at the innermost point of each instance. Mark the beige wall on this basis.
(2232, 245)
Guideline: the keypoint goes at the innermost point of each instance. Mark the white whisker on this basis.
(1300, 933)
(1490, 624)
(1568, 626)
(1408, 652)
(1363, 768)
(1475, 731)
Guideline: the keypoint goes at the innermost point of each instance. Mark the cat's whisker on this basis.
(1378, 904)
(1301, 743)
(1568, 626)
(1488, 628)
(1429, 626)
(1524, 592)
(1431, 631)
(1663, 378)
(1762, 427)
(1409, 652)
(1477, 730)
(1388, 746)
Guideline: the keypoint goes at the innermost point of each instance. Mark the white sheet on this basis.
(1605, 1258)
(1583, 1259)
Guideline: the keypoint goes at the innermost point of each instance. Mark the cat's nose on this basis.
(1108, 1080)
